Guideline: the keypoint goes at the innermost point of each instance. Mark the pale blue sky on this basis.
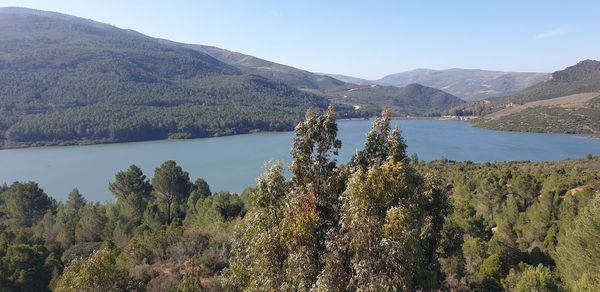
(366, 39)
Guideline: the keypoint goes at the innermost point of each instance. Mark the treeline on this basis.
(381, 222)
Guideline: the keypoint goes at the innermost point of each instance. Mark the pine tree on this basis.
(133, 192)
(171, 187)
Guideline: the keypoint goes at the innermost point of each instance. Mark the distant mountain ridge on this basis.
(366, 100)
(468, 84)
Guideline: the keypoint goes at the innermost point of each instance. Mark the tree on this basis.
(92, 219)
(258, 252)
(392, 219)
(200, 190)
(578, 251)
(133, 192)
(528, 278)
(100, 272)
(26, 203)
(364, 226)
(315, 187)
(171, 186)
(23, 266)
(75, 200)
(381, 144)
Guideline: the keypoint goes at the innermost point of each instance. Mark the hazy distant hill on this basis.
(568, 102)
(67, 79)
(468, 84)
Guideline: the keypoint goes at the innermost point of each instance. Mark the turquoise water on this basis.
(232, 163)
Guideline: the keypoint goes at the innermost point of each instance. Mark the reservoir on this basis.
(234, 162)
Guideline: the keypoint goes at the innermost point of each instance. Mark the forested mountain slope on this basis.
(70, 80)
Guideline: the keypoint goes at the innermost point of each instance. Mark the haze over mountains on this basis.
(468, 84)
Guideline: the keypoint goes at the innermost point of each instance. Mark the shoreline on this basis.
(101, 142)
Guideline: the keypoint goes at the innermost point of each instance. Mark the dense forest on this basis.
(381, 222)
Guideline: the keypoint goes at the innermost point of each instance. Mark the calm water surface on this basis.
(233, 163)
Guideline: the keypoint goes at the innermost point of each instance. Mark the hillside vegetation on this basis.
(573, 114)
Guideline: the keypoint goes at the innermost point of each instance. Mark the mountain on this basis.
(70, 80)
(413, 99)
(468, 84)
(579, 78)
(350, 79)
(568, 102)
(247, 64)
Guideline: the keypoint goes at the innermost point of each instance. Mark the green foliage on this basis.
(214, 210)
(91, 223)
(171, 188)
(100, 272)
(528, 278)
(25, 203)
(133, 192)
(23, 268)
(578, 251)
(361, 226)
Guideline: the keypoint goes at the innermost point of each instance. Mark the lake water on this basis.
(233, 163)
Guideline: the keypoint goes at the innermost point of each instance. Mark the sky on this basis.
(367, 39)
